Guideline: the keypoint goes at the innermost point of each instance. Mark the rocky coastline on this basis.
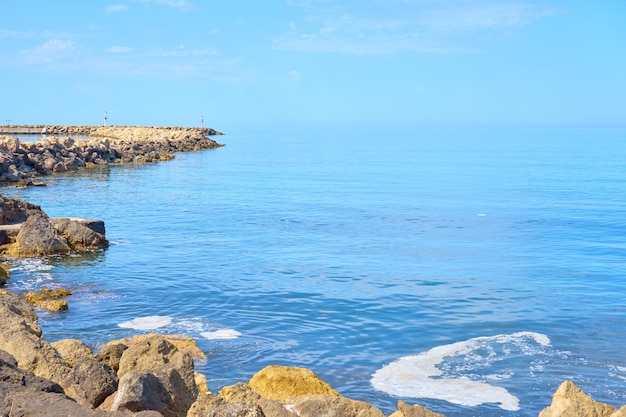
(72, 148)
(148, 375)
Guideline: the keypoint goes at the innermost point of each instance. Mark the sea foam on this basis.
(222, 334)
(146, 323)
(419, 376)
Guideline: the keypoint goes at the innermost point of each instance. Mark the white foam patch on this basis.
(222, 334)
(146, 323)
(419, 377)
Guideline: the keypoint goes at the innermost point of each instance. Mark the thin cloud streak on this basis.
(414, 26)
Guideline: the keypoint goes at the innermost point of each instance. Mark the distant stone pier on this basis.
(66, 148)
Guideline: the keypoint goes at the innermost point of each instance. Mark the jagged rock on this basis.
(146, 355)
(21, 337)
(329, 405)
(201, 382)
(72, 350)
(172, 368)
(570, 401)
(48, 299)
(282, 382)
(91, 382)
(210, 405)
(4, 274)
(14, 211)
(182, 342)
(79, 236)
(239, 393)
(138, 391)
(111, 355)
(405, 410)
(38, 237)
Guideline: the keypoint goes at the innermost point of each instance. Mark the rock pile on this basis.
(106, 144)
(25, 230)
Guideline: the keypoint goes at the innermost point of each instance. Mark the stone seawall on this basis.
(60, 152)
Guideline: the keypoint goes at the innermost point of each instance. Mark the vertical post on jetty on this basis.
(202, 121)
(106, 118)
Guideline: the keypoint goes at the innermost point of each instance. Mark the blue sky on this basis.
(169, 62)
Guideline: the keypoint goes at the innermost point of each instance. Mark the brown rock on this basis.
(239, 393)
(332, 406)
(405, 410)
(72, 350)
(282, 382)
(140, 391)
(79, 236)
(146, 355)
(38, 237)
(92, 382)
(210, 405)
(571, 401)
(111, 355)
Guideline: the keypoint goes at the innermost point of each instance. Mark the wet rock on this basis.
(48, 299)
(282, 382)
(79, 236)
(570, 401)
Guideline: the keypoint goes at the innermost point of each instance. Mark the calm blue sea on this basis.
(470, 270)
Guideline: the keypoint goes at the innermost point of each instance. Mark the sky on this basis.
(313, 62)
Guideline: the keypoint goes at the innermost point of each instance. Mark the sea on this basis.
(470, 270)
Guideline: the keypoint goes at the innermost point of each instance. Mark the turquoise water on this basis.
(386, 260)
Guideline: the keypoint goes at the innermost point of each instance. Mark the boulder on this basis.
(138, 391)
(329, 405)
(111, 355)
(146, 355)
(38, 237)
(79, 236)
(282, 382)
(405, 410)
(239, 393)
(91, 382)
(72, 350)
(172, 368)
(210, 405)
(21, 337)
(570, 401)
(48, 299)
(4, 274)
(14, 211)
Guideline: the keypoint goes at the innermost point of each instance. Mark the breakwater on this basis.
(58, 151)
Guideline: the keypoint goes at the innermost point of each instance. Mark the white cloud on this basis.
(293, 76)
(116, 8)
(119, 49)
(378, 26)
(52, 50)
(183, 5)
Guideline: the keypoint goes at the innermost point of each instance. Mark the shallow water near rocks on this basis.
(489, 258)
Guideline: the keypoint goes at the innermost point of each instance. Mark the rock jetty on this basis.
(67, 148)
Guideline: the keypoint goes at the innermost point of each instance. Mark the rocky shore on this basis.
(66, 148)
(146, 375)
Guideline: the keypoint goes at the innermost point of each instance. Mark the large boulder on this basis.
(156, 364)
(37, 237)
(91, 382)
(283, 382)
(22, 338)
(78, 235)
(72, 350)
(570, 401)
